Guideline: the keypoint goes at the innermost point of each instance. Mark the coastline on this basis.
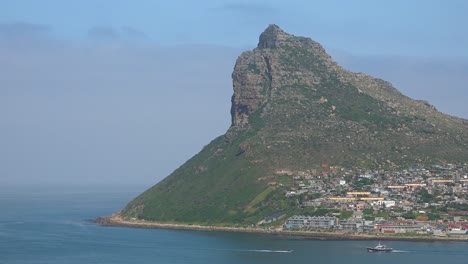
(117, 221)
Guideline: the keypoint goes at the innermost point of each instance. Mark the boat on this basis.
(379, 248)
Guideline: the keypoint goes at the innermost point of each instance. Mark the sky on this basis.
(123, 92)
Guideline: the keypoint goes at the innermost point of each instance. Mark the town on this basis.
(420, 200)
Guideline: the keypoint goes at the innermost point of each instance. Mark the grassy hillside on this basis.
(293, 109)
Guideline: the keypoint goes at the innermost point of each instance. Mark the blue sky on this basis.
(122, 92)
(414, 28)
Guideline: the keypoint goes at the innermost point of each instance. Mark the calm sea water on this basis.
(52, 226)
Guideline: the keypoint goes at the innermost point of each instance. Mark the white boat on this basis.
(379, 248)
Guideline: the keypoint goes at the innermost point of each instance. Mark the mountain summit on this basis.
(294, 109)
(272, 37)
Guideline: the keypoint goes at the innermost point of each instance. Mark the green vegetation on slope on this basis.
(312, 115)
(215, 186)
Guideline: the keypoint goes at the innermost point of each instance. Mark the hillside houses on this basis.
(417, 193)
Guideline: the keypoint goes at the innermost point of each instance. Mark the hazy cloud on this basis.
(103, 33)
(17, 29)
(133, 32)
(112, 34)
(26, 36)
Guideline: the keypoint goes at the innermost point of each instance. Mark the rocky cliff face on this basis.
(258, 73)
(307, 101)
(293, 109)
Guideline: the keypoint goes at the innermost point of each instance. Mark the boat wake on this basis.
(400, 251)
(270, 251)
(247, 250)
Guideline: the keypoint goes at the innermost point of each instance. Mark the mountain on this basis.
(294, 109)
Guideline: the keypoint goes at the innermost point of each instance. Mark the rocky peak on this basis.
(272, 37)
(289, 79)
(273, 66)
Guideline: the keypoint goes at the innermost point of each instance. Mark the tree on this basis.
(424, 196)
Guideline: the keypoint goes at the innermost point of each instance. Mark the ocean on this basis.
(53, 225)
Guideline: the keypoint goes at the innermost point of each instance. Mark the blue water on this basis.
(52, 226)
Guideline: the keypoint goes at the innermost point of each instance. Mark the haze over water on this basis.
(53, 226)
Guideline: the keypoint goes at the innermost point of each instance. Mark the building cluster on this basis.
(361, 226)
(413, 200)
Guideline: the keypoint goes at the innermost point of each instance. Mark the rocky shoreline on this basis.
(117, 221)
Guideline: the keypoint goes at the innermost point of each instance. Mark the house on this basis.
(400, 229)
(348, 225)
(310, 221)
(386, 203)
